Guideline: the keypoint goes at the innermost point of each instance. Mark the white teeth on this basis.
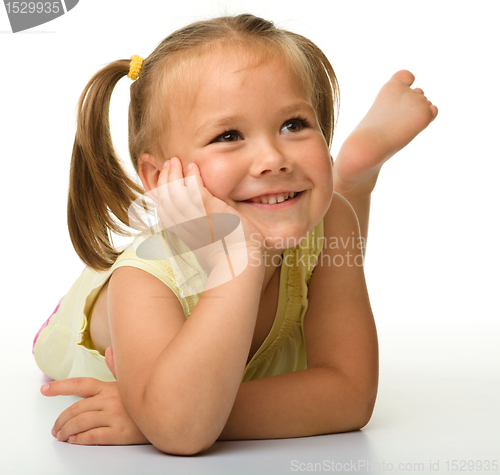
(275, 199)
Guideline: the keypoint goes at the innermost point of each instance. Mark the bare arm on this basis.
(178, 379)
(337, 392)
(361, 205)
(300, 404)
(356, 189)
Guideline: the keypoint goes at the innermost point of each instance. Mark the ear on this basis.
(149, 172)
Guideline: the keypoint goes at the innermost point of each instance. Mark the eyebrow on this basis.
(216, 123)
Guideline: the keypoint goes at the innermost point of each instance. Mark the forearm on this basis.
(356, 171)
(192, 385)
(300, 404)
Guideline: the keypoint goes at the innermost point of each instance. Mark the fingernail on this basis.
(166, 164)
(53, 432)
(59, 435)
(45, 388)
(173, 161)
(190, 166)
(72, 438)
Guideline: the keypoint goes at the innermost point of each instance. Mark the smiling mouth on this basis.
(274, 199)
(270, 202)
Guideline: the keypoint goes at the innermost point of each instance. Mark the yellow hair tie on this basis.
(135, 67)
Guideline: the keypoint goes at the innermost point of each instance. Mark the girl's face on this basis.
(254, 135)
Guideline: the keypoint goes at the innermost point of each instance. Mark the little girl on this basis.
(235, 116)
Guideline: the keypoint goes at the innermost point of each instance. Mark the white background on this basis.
(432, 265)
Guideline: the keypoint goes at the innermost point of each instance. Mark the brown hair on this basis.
(100, 192)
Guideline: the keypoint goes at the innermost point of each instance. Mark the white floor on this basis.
(430, 417)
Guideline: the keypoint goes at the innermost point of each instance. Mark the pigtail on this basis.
(99, 188)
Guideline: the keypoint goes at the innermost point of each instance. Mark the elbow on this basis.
(360, 416)
(185, 447)
(364, 411)
(186, 438)
(365, 416)
(360, 404)
(367, 390)
(177, 431)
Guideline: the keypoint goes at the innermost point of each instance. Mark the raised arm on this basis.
(337, 392)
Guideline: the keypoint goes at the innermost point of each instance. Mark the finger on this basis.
(171, 178)
(99, 436)
(163, 198)
(175, 203)
(165, 217)
(110, 360)
(166, 211)
(404, 76)
(162, 187)
(82, 387)
(179, 194)
(82, 423)
(194, 184)
(204, 194)
(80, 407)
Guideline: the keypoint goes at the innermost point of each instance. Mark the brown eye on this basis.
(292, 126)
(231, 136)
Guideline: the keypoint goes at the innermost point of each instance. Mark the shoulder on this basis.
(144, 315)
(142, 287)
(138, 293)
(176, 269)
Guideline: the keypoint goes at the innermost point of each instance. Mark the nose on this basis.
(269, 160)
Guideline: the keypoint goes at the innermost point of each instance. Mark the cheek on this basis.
(319, 163)
(218, 177)
(323, 173)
